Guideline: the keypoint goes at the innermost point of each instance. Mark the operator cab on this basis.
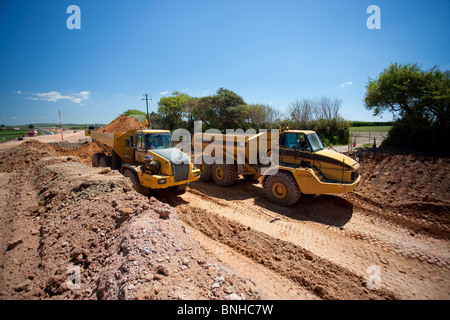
(151, 141)
(158, 141)
(301, 140)
(297, 148)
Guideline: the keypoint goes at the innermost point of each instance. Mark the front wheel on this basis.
(282, 188)
(179, 189)
(136, 183)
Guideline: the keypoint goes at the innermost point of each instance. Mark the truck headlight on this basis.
(196, 174)
(355, 175)
(152, 166)
(161, 181)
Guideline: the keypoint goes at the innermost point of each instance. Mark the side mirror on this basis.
(127, 142)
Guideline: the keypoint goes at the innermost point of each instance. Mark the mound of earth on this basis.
(24, 155)
(121, 124)
(415, 187)
(83, 151)
(72, 231)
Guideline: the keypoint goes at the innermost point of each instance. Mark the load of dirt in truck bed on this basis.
(121, 124)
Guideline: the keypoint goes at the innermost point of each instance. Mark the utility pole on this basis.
(146, 101)
(60, 123)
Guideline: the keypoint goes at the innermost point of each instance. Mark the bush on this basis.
(419, 135)
(420, 98)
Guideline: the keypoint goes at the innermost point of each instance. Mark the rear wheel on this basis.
(96, 159)
(282, 188)
(135, 181)
(105, 161)
(224, 175)
(116, 161)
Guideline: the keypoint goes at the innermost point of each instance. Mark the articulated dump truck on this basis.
(302, 164)
(146, 157)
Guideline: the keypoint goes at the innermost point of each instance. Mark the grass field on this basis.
(6, 135)
(371, 129)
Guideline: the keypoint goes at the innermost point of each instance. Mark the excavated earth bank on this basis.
(71, 231)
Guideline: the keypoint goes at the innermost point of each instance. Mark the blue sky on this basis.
(269, 52)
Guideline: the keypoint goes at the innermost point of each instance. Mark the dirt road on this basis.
(335, 247)
(68, 136)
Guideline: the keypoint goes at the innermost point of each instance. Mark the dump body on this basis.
(300, 160)
(245, 150)
(149, 155)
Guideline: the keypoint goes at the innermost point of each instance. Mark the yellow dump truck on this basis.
(146, 157)
(302, 166)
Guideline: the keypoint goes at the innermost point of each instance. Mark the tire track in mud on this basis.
(350, 249)
(325, 279)
(391, 237)
(423, 249)
(415, 221)
(289, 228)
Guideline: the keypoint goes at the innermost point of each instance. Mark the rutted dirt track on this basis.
(389, 239)
(395, 223)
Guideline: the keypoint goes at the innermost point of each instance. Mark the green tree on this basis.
(420, 99)
(140, 115)
(173, 109)
(260, 116)
(156, 121)
(224, 110)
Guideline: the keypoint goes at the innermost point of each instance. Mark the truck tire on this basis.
(96, 159)
(180, 189)
(282, 188)
(105, 161)
(135, 181)
(224, 175)
(205, 171)
(116, 161)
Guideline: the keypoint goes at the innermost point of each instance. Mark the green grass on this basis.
(6, 135)
(371, 129)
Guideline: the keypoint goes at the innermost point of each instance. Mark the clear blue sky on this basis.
(269, 52)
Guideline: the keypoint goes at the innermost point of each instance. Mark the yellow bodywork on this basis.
(153, 180)
(309, 182)
(339, 170)
(133, 158)
(321, 172)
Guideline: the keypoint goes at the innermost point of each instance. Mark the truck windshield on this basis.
(158, 141)
(314, 141)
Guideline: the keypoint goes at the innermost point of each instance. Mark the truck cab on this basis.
(303, 148)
